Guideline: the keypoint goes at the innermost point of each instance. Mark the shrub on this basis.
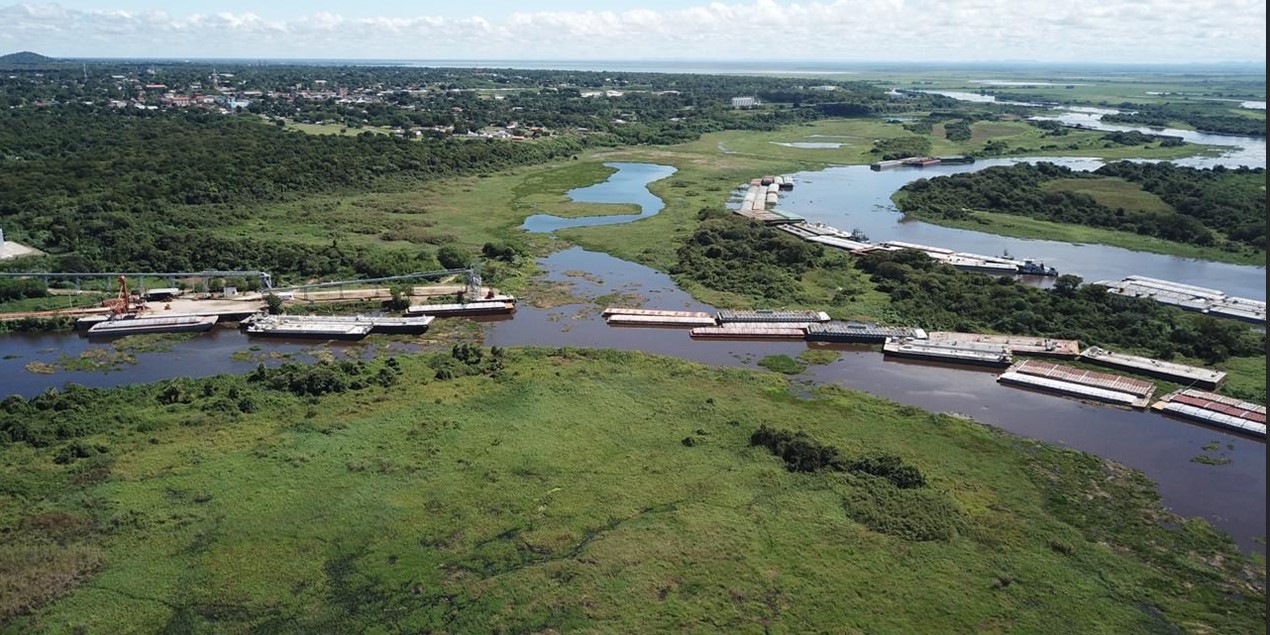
(800, 452)
(910, 514)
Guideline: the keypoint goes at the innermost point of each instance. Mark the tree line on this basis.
(1210, 206)
(937, 296)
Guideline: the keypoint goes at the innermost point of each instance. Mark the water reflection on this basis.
(628, 185)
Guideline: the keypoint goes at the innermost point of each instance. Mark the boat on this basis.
(979, 265)
(150, 325)
(1030, 267)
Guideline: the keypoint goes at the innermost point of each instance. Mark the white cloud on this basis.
(844, 30)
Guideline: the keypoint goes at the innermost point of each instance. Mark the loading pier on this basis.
(760, 200)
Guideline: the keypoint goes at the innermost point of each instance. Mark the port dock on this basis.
(1074, 382)
(1178, 373)
(761, 197)
(1216, 410)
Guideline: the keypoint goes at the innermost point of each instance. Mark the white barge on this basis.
(149, 325)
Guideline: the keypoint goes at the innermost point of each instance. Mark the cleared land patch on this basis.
(1112, 192)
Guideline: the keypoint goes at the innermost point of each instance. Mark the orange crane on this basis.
(122, 304)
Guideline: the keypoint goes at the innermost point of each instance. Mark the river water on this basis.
(1231, 496)
(855, 197)
(1238, 150)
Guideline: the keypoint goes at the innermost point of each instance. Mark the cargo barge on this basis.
(1016, 344)
(150, 325)
(618, 316)
(1080, 391)
(1075, 382)
(1171, 371)
(299, 328)
(377, 323)
(482, 307)
(949, 352)
(1190, 298)
(860, 333)
(764, 332)
(1216, 410)
(660, 320)
(770, 316)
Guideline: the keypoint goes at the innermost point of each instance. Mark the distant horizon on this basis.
(782, 64)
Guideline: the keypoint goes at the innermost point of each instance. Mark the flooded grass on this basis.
(557, 493)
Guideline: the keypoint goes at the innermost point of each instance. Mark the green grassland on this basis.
(584, 491)
(332, 128)
(1113, 193)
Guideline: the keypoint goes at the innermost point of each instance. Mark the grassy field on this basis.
(1111, 192)
(584, 491)
(332, 128)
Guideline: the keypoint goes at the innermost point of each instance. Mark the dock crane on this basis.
(123, 304)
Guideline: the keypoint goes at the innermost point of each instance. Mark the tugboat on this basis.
(1031, 267)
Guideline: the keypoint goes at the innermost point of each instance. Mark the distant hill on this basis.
(25, 58)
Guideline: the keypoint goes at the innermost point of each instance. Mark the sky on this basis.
(1093, 31)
